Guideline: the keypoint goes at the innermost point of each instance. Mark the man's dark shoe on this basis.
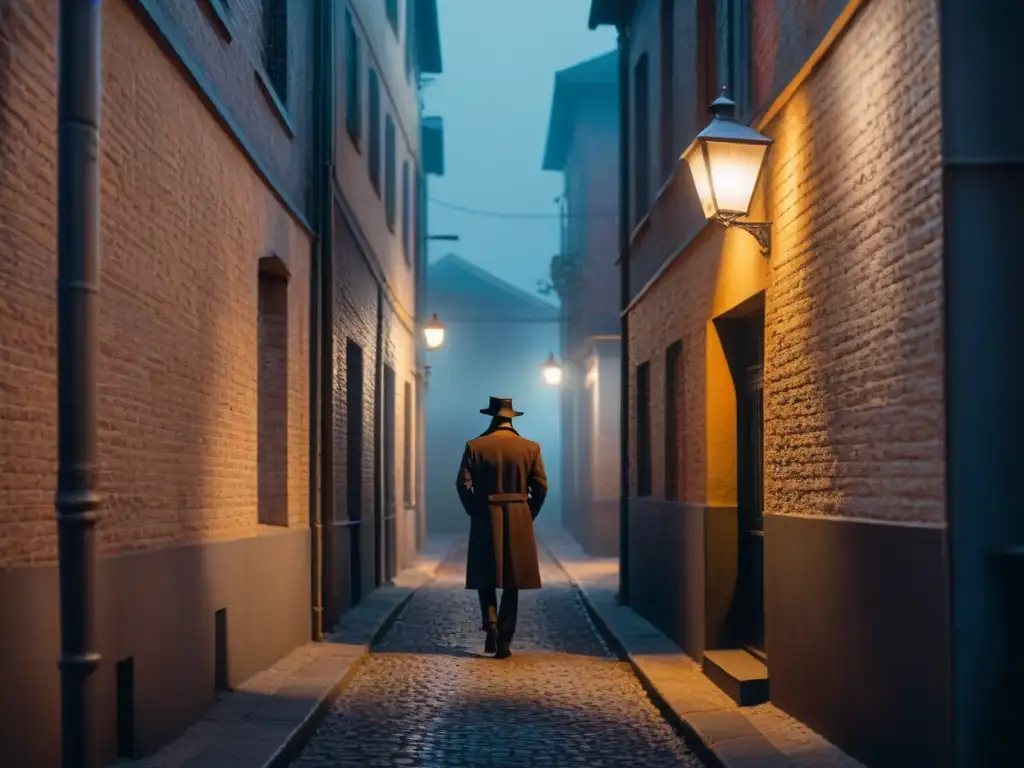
(491, 641)
(504, 651)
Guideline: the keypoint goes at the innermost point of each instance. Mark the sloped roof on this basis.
(457, 290)
(600, 72)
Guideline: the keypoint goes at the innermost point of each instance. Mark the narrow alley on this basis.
(427, 696)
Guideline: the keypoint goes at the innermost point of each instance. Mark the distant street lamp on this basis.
(433, 332)
(726, 160)
(552, 371)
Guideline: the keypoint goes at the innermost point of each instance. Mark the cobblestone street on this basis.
(428, 696)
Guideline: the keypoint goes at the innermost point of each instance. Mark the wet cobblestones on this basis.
(429, 698)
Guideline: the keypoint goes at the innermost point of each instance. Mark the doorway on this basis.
(354, 465)
(749, 378)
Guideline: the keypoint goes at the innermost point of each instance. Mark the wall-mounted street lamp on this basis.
(552, 371)
(726, 160)
(433, 332)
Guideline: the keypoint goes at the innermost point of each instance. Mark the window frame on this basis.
(373, 151)
(353, 81)
(390, 171)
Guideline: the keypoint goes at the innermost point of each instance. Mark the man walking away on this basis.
(502, 486)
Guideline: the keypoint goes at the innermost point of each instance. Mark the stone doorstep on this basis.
(719, 731)
(267, 719)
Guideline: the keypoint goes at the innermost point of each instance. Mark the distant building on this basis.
(496, 341)
(583, 144)
(825, 437)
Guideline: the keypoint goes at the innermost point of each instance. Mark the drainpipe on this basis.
(981, 61)
(624, 298)
(78, 266)
(321, 334)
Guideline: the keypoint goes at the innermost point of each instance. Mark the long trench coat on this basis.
(502, 486)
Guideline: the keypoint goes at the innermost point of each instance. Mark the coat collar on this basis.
(504, 428)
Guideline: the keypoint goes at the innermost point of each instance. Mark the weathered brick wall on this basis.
(230, 67)
(185, 220)
(853, 371)
(783, 34)
(675, 309)
(355, 318)
(854, 356)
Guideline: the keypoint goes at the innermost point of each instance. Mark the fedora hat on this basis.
(501, 406)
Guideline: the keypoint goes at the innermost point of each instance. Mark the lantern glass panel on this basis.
(699, 170)
(734, 169)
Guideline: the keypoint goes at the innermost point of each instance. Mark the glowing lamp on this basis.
(552, 371)
(433, 332)
(726, 160)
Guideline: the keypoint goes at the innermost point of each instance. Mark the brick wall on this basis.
(854, 361)
(355, 318)
(185, 220)
(853, 371)
(231, 66)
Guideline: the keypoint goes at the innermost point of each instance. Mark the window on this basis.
(392, 11)
(410, 40)
(353, 91)
(373, 156)
(389, 172)
(419, 218)
(673, 420)
(707, 70)
(666, 106)
(643, 429)
(641, 141)
(407, 444)
(275, 45)
(272, 395)
(406, 222)
(733, 55)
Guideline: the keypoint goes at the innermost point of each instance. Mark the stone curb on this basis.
(300, 735)
(700, 745)
(249, 729)
(720, 733)
(296, 740)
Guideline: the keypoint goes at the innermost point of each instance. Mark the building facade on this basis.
(582, 144)
(222, 494)
(496, 341)
(202, 376)
(373, 511)
(794, 419)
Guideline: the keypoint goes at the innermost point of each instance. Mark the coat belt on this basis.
(507, 498)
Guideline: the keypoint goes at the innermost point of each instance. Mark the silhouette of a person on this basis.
(502, 486)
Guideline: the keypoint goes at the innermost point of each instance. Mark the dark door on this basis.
(389, 529)
(354, 466)
(750, 484)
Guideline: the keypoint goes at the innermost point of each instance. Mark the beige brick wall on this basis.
(853, 371)
(185, 220)
(854, 360)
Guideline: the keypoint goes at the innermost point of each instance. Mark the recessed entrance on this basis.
(750, 486)
(740, 667)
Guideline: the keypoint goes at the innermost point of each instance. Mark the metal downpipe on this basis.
(77, 503)
(624, 298)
